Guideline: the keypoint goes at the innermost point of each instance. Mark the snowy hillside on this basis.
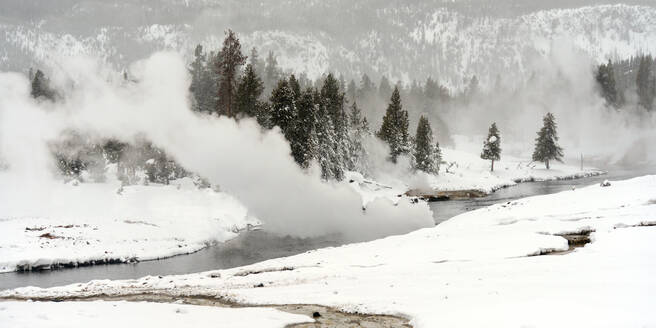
(404, 42)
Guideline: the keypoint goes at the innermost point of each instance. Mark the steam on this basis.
(252, 165)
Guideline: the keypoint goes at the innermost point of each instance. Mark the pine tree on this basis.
(282, 112)
(333, 101)
(424, 152)
(295, 86)
(230, 59)
(384, 88)
(546, 144)
(203, 82)
(249, 90)
(271, 70)
(606, 79)
(305, 139)
(394, 130)
(351, 91)
(256, 62)
(327, 156)
(645, 84)
(492, 146)
(41, 87)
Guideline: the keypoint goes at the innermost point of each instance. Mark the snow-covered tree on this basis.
(394, 130)
(492, 146)
(424, 152)
(546, 144)
(41, 87)
(606, 79)
(249, 90)
(228, 63)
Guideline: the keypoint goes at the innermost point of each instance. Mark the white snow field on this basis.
(70, 224)
(474, 270)
(101, 314)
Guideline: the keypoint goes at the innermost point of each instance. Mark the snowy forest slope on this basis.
(403, 41)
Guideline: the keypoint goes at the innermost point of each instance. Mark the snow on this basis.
(465, 170)
(473, 270)
(79, 223)
(138, 314)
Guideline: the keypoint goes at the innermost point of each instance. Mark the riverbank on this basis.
(96, 223)
(486, 261)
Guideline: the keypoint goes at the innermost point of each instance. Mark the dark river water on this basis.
(255, 246)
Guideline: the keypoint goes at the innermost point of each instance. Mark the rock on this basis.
(606, 183)
(316, 314)
(259, 285)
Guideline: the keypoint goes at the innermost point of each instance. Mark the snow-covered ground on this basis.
(473, 270)
(70, 223)
(101, 314)
(464, 170)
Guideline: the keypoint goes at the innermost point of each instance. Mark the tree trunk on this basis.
(547, 163)
(492, 166)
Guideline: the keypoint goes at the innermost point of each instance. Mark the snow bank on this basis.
(88, 222)
(139, 314)
(471, 271)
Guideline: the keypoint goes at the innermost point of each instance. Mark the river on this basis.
(257, 245)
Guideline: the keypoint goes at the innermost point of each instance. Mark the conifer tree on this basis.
(328, 158)
(271, 70)
(333, 102)
(295, 86)
(282, 111)
(384, 88)
(645, 83)
(546, 144)
(203, 82)
(424, 152)
(41, 87)
(230, 59)
(606, 79)
(394, 130)
(256, 62)
(492, 146)
(351, 91)
(249, 90)
(305, 137)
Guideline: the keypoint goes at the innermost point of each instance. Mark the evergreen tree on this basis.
(384, 88)
(256, 62)
(41, 87)
(492, 146)
(606, 79)
(546, 144)
(351, 91)
(355, 117)
(333, 103)
(271, 69)
(230, 59)
(424, 152)
(283, 110)
(203, 82)
(249, 90)
(327, 156)
(305, 141)
(295, 86)
(394, 130)
(645, 83)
